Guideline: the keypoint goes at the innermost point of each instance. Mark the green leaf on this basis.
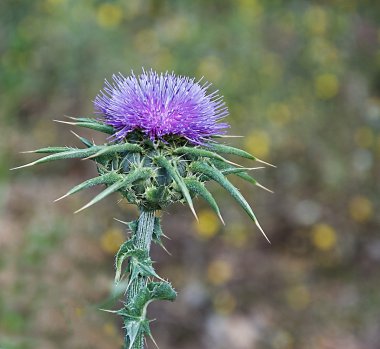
(134, 315)
(218, 177)
(48, 150)
(108, 178)
(201, 153)
(240, 172)
(69, 154)
(199, 188)
(138, 174)
(253, 181)
(84, 140)
(121, 255)
(117, 148)
(89, 123)
(158, 233)
(226, 149)
(173, 172)
(163, 291)
(234, 170)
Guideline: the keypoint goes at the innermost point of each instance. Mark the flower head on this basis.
(160, 105)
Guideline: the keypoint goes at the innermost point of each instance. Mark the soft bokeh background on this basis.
(302, 81)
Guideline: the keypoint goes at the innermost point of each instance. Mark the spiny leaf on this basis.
(233, 170)
(161, 290)
(199, 188)
(253, 181)
(158, 233)
(226, 149)
(226, 170)
(163, 162)
(134, 315)
(116, 148)
(69, 154)
(132, 329)
(108, 178)
(201, 152)
(121, 255)
(141, 173)
(93, 125)
(84, 140)
(48, 150)
(218, 177)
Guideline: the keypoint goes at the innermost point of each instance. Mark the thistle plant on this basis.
(162, 147)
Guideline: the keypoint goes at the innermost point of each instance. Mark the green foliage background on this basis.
(302, 82)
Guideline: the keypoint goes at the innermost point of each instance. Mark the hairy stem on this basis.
(143, 238)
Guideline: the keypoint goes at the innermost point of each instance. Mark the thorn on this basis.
(255, 168)
(194, 213)
(151, 337)
(263, 162)
(232, 163)
(116, 219)
(262, 187)
(62, 197)
(84, 207)
(65, 122)
(229, 136)
(27, 152)
(262, 231)
(27, 165)
(165, 249)
(76, 135)
(221, 218)
(108, 311)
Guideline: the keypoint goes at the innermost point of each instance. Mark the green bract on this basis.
(153, 175)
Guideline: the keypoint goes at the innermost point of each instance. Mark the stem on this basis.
(143, 238)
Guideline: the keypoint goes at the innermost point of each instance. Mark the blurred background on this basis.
(302, 82)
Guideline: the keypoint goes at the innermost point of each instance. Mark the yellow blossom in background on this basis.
(326, 86)
(323, 237)
(111, 240)
(219, 272)
(364, 137)
(109, 15)
(258, 143)
(361, 209)
(279, 113)
(208, 224)
(298, 297)
(211, 67)
(224, 303)
(316, 20)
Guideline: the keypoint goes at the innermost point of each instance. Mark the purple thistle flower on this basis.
(162, 104)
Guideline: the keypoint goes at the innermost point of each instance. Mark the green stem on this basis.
(143, 239)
